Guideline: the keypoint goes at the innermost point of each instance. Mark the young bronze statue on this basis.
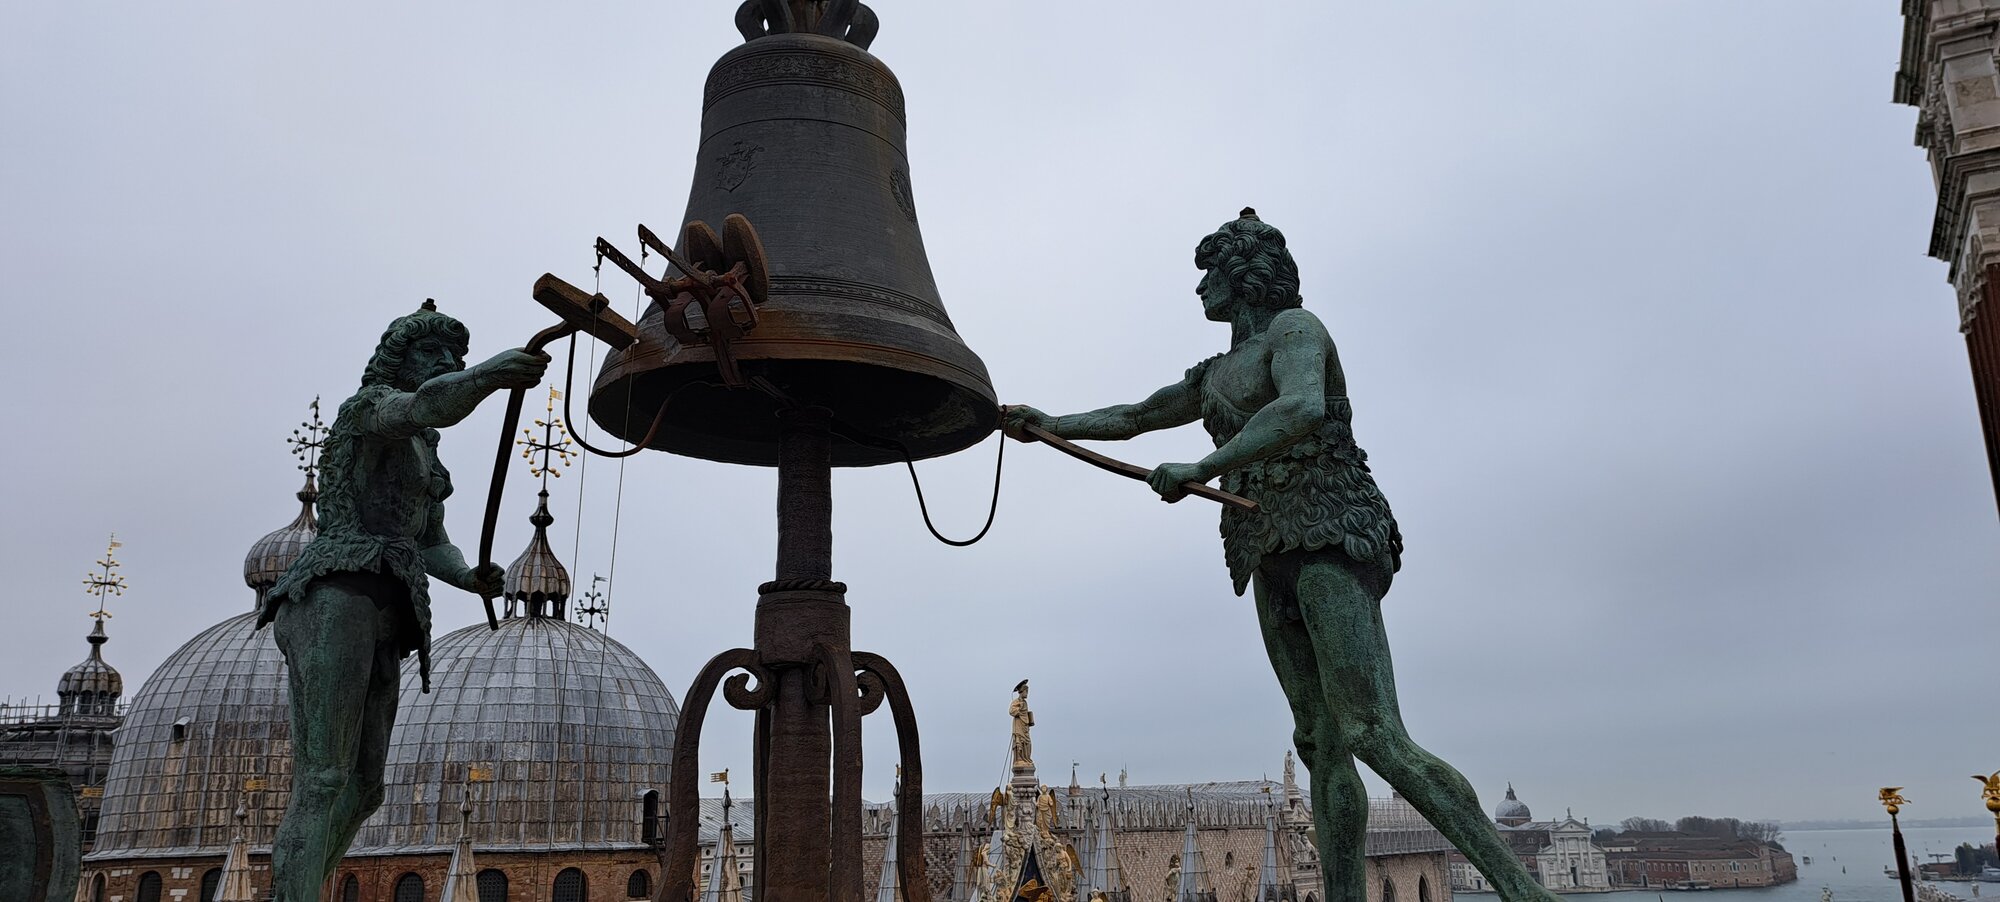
(1320, 550)
(356, 602)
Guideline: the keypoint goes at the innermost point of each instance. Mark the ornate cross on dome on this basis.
(552, 448)
(593, 609)
(106, 581)
(307, 440)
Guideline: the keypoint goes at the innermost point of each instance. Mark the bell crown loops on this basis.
(849, 20)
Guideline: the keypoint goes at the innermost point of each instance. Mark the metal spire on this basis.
(537, 580)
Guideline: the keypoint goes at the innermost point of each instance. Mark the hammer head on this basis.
(587, 313)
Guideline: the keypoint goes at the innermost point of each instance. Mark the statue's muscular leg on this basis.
(329, 640)
(363, 793)
(1340, 799)
(1342, 605)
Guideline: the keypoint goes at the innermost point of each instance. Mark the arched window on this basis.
(1423, 889)
(1388, 890)
(350, 889)
(97, 888)
(649, 817)
(569, 886)
(1229, 859)
(492, 885)
(210, 882)
(640, 886)
(149, 886)
(409, 888)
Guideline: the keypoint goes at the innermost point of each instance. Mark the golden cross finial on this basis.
(552, 447)
(308, 439)
(106, 580)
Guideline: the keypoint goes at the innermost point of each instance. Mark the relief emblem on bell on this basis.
(734, 168)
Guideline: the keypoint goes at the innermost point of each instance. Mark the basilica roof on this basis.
(556, 730)
(207, 731)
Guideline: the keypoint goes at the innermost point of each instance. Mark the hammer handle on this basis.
(1130, 471)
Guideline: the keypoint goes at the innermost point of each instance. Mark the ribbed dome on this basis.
(536, 582)
(1512, 809)
(273, 554)
(560, 730)
(92, 687)
(206, 732)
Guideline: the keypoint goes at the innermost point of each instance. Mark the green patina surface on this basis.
(357, 601)
(1319, 553)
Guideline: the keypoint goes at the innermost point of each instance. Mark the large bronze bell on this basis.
(803, 133)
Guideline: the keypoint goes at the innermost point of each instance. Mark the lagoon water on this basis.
(1864, 853)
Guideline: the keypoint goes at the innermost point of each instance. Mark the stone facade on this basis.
(1949, 73)
(1670, 860)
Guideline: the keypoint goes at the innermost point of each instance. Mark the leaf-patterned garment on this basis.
(1315, 494)
(374, 507)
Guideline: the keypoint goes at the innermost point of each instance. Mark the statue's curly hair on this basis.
(408, 330)
(1252, 256)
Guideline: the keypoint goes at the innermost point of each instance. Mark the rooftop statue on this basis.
(1024, 720)
(356, 602)
(1319, 548)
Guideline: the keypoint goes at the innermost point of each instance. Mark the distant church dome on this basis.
(92, 687)
(207, 731)
(1512, 812)
(273, 554)
(558, 731)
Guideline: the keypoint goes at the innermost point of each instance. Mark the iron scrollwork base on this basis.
(854, 685)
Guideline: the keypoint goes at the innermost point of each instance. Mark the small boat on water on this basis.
(1689, 886)
(1989, 874)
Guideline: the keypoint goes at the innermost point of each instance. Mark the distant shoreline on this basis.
(1974, 821)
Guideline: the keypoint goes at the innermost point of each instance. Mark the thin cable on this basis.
(888, 444)
(618, 504)
(582, 469)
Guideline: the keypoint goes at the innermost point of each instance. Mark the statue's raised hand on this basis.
(1169, 479)
(513, 368)
(1015, 417)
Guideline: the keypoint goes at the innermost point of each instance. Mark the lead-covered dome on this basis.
(93, 686)
(1512, 811)
(559, 732)
(207, 732)
(273, 554)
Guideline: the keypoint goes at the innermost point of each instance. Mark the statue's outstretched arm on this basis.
(445, 400)
(1175, 405)
(1298, 370)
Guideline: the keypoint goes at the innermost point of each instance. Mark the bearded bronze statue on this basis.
(1319, 550)
(356, 602)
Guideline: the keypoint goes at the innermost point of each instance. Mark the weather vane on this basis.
(552, 448)
(308, 439)
(106, 581)
(593, 605)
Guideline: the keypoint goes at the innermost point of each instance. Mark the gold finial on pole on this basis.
(106, 581)
(1892, 799)
(552, 447)
(1990, 791)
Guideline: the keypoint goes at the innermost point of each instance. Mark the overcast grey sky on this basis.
(1632, 299)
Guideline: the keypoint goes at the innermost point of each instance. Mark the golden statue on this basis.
(1023, 720)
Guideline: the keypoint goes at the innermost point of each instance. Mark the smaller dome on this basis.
(273, 554)
(537, 580)
(1512, 810)
(92, 687)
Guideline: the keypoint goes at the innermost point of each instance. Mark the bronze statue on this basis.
(1320, 548)
(356, 602)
